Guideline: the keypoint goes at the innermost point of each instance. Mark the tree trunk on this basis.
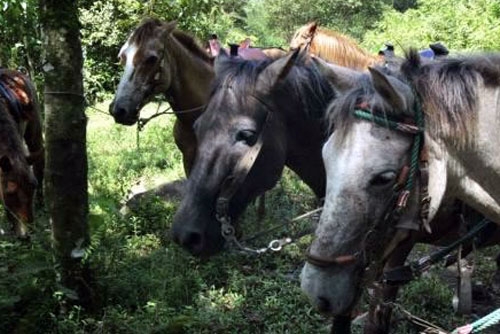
(65, 138)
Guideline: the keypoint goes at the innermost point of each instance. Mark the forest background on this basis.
(460, 24)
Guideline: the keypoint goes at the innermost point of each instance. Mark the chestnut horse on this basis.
(332, 47)
(160, 59)
(19, 125)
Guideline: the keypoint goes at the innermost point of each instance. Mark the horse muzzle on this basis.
(123, 114)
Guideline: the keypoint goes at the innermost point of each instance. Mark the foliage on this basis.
(19, 33)
(459, 24)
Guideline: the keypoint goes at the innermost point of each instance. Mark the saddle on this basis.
(13, 92)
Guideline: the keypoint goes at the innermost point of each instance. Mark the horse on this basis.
(19, 96)
(262, 115)
(405, 143)
(332, 47)
(18, 183)
(160, 59)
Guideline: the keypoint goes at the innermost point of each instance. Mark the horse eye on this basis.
(383, 179)
(247, 136)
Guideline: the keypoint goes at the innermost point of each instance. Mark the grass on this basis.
(146, 284)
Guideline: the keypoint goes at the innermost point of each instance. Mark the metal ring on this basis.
(275, 245)
(228, 230)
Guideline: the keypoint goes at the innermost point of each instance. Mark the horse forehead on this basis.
(365, 146)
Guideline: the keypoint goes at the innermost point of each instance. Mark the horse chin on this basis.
(124, 114)
(332, 291)
(127, 122)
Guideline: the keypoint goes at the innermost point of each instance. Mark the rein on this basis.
(231, 184)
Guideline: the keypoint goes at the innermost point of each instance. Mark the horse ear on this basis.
(276, 71)
(387, 89)
(342, 78)
(169, 27)
(5, 164)
(220, 60)
(312, 28)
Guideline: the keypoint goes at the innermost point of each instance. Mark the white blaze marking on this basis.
(129, 52)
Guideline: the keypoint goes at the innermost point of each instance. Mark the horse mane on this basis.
(304, 86)
(449, 89)
(340, 49)
(190, 43)
(147, 28)
(339, 115)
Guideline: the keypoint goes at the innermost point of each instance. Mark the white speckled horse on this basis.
(375, 130)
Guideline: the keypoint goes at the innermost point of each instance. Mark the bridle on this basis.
(233, 181)
(417, 167)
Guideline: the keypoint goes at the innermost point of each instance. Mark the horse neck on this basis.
(11, 142)
(341, 51)
(191, 77)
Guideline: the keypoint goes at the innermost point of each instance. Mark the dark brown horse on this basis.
(18, 182)
(270, 103)
(27, 114)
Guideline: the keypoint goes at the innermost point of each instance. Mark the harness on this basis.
(405, 184)
(233, 181)
(398, 202)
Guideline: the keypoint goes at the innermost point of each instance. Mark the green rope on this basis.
(415, 151)
(416, 129)
(369, 116)
(483, 323)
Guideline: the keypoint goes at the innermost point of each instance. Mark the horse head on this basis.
(368, 159)
(146, 73)
(241, 150)
(18, 186)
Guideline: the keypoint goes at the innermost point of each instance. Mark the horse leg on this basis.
(33, 138)
(379, 314)
(185, 140)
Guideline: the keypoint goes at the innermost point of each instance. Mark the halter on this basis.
(401, 190)
(233, 181)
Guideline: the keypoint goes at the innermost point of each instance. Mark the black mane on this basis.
(303, 87)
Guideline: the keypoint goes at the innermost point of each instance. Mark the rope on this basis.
(480, 324)
(417, 130)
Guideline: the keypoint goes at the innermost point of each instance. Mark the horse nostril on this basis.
(324, 305)
(119, 112)
(191, 240)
